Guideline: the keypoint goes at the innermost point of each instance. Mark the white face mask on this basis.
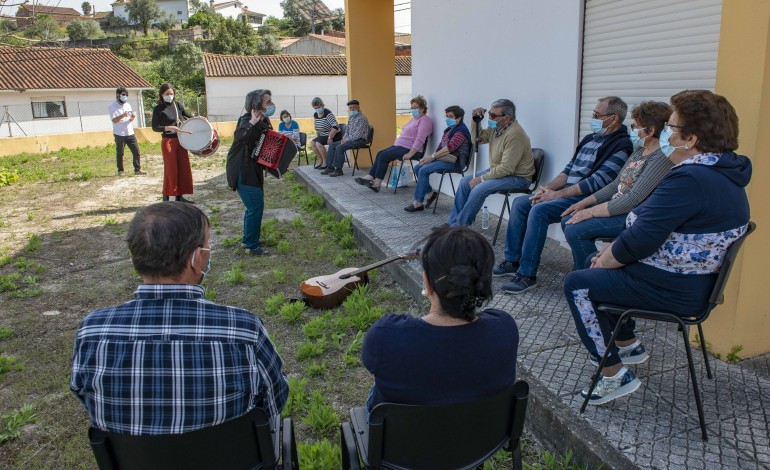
(168, 98)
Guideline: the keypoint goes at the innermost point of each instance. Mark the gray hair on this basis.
(616, 106)
(254, 99)
(317, 102)
(509, 109)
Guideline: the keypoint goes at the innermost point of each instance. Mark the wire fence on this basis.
(44, 116)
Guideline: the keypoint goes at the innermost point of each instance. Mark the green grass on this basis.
(235, 275)
(5, 333)
(7, 364)
(321, 417)
(12, 423)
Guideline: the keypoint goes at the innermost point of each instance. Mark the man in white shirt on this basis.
(122, 116)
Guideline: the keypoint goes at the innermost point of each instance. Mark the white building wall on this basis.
(170, 6)
(524, 50)
(225, 95)
(86, 111)
(231, 11)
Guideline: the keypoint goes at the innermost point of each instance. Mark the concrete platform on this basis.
(655, 427)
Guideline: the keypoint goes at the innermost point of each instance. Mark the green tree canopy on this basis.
(235, 37)
(86, 7)
(46, 28)
(167, 22)
(207, 21)
(268, 45)
(84, 29)
(143, 12)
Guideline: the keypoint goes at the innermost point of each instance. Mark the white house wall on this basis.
(225, 95)
(168, 6)
(86, 111)
(231, 11)
(471, 52)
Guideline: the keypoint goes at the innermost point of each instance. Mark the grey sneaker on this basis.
(610, 388)
(519, 284)
(632, 354)
(121, 173)
(140, 172)
(506, 268)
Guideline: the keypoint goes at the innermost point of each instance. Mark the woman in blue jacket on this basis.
(670, 253)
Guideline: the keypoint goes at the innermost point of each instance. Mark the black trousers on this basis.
(120, 142)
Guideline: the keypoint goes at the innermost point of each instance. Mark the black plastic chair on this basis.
(461, 436)
(464, 158)
(367, 146)
(302, 148)
(247, 442)
(716, 298)
(537, 156)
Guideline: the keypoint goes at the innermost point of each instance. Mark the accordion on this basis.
(274, 152)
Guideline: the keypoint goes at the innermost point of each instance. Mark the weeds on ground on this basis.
(732, 356)
(235, 275)
(5, 333)
(33, 243)
(7, 364)
(292, 312)
(321, 417)
(12, 423)
(8, 177)
(321, 455)
(273, 304)
(298, 400)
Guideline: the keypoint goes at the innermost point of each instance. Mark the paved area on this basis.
(655, 427)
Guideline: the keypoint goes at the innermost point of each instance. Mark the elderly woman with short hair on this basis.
(244, 174)
(408, 145)
(603, 214)
(669, 256)
(328, 130)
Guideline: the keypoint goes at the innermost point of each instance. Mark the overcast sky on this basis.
(268, 7)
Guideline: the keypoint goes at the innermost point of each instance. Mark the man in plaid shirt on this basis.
(170, 361)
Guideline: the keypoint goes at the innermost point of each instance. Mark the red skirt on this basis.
(177, 174)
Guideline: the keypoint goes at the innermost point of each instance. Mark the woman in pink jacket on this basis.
(408, 145)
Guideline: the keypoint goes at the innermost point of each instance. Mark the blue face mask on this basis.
(319, 111)
(665, 145)
(635, 139)
(597, 126)
(123, 98)
(269, 111)
(492, 124)
(415, 113)
(451, 122)
(353, 113)
(208, 266)
(287, 119)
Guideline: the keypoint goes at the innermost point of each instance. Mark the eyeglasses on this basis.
(596, 115)
(668, 127)
(635, 127)
(124, 94)
(495, 116)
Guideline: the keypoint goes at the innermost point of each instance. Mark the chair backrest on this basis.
(538, 157)
(370, 137)
(446, 436)
(717, 294)
(302, 139)
(242, 443)
(464, 156)
(343, 128)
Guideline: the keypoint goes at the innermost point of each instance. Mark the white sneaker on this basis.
(610, 388)
(634, 353)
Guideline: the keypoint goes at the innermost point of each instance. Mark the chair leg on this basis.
(371, 160)
(500, 219)
(438, 193)
(598, 372)
(348, 448)
(705, 353)
(698, 401)
(289, 458)
(398, 175)
(355, 161)
(516, 458)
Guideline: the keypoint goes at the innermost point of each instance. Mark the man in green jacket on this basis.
(510, 162)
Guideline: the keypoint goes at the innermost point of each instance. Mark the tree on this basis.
(84, 29)
(205, 20)
(268, 45)
(298, 24)
(86, 7)
(199, 6)
(143, 12)
(234, 37)
(338, 22)
(45, 28)
(167, 22)
(113, 20)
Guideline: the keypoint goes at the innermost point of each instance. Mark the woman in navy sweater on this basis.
(453, 354)
(670, 253)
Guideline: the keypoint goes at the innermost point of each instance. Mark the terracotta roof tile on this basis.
(285, 65)
(44, 68)
(332, 39)
(43, 9)
(286, 42)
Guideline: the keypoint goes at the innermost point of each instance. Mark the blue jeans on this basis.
(468, 202)
(528, 229)
(581, 235)
(423, 177)
(384, 157)
(335, 154)
(254, 199)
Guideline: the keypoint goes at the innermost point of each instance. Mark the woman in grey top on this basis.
(603, 214)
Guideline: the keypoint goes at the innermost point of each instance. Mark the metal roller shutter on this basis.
(647, 50)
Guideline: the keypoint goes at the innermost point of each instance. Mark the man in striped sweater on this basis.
(596, 162)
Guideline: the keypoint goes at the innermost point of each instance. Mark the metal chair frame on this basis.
(539, 159)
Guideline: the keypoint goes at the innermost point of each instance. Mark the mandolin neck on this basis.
(375, 266)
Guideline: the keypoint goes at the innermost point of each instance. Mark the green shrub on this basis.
(316, 369)
(7, 364)
(273, 304)
(13, 422)
(310, 349)
(318, 326)
(297, 222)
(356, 344)
(33, 243)
(298, 401)
(292, 312)
(235, 275)
(279, 275)
(8, 177)
(321, 417)
(5, 333)
(283, 247)
(321, 455)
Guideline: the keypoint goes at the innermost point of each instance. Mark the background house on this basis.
(56, 91)
(293, 79)
(334, 43)
(179, 9)
(26, 14)
(235, 9)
